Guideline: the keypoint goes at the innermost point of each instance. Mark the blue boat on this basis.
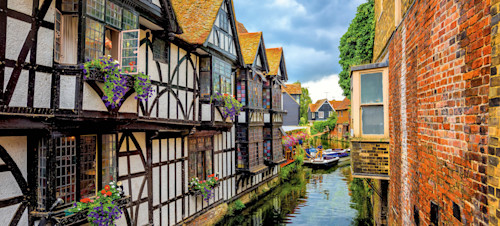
(335, 153)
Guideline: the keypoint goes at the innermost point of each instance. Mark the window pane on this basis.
(94, 35)
(42, 174)
(113, 14)
(130, 48)
(130, 20)
(373, 119)
(88, 152)
(371, 88)
(108, 158)
(221, 76)
(208, 163)
(200, 165)
(95, 8)
(160, 51)
(57, 36)
(66, 168)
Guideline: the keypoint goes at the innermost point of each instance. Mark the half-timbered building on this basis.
(273, 114)
(59, 139)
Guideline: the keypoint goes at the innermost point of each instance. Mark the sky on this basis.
(309, 32)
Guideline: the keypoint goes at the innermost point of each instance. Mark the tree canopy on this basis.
(320, 126)
(356, 45)
(305, 100)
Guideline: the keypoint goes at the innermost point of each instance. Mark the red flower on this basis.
(216, 178)
(106, 187)
(211, 175)
(109, 193)
(103, 191)
(131, 63)
(85, 200)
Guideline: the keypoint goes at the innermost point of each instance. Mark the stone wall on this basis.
(369, 159)
(439, 75)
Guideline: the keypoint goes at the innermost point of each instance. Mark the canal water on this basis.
(311, 197)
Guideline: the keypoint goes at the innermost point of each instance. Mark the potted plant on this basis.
(102, 209)
(230, 106)
(204, 187)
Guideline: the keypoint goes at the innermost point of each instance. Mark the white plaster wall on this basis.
(218, 116)
(171, 148)
(164, 219)
(173, 60)
(267, 117)
(42, 96)
(163, 104)
(45, 44)
(141, 57)
(8, 212)
(20, 95)
(171, 173)
(50, 13)
(206, 113)
(17, 149)
(67, 89)
(23, 6)
(129, 105)
(156, 185)
(242, 117)
(173, 106)
(164, 183)
(92, 101)
(182, 106)
(17, 31)
(179, 185)
(143, 217)
(164, 153)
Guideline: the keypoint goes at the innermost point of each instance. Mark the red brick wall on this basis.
(441, 55)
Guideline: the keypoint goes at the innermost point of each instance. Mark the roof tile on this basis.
(292, 88)
(274, 59)
(249, 43)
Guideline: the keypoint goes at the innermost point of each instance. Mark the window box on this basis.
(98, 76)
(78, 218)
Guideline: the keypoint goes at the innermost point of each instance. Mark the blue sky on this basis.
(309, 32)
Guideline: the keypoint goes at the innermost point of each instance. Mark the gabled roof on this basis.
(292, 89)
(241, 28)
(340, 105)
(250, 45)
(315, 107)
(274, 56)
(196, 18)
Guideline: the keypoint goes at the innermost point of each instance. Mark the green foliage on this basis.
(305, 100)
(356, 45)
(232, 107)
(101, 210)
(234, 207)
(320, 126)
(360, 200)
(286, 171)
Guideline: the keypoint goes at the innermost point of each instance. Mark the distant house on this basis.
(291, 104)
(319, 111)
(342, 128)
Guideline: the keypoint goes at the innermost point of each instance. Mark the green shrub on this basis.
(235, 206)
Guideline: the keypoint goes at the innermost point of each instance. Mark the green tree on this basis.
(320, 126)
(305, 100)
(356, 45)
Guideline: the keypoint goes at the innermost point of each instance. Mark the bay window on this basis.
(215, 76)
(370, 102)
(80, 166)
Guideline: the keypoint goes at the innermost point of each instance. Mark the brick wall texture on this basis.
(370, 158)
(384, 20)
(439, 81)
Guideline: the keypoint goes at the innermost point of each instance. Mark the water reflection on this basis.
(311, 197)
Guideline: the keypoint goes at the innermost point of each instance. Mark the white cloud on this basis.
(293, 5)
(327, 87)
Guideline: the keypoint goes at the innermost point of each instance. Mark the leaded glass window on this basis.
(108, 159)
(95, 8)
(113, 14)
(130, 20)
(66, 168)
(88, 167)
(200, 157)
(94, 43)
(42, 174)
(160, 50)
(221, 76)
(57, 36)
(129, 51)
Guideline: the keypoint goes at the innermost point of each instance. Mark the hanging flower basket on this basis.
(205, 188)
(101, 210)
(230, 106)
(116, 83)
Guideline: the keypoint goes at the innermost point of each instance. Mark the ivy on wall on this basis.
(356, 45)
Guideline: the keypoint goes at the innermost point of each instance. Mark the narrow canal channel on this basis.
(311, 197)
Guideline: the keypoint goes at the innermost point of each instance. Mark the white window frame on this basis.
(321, 115)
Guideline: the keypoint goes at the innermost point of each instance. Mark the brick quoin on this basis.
(447, 58)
